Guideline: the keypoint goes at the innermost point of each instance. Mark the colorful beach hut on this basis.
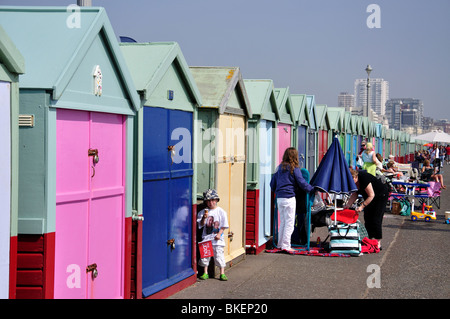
(379, 145)
(222, 144)
(164, 176)
(388, 143)
(348, 150)
(75, 153)
(356, 139)
(312, 135)
(261, 154)
(285, 125)
(323, 125)
(336, 118)
(396, 144)
(12, 65)
(302, 120)
(364, 130)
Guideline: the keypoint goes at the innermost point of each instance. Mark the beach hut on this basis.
(223, 118)
(372, 133)
(355, 134)
(365, 133)
(348, 137)
(378, 138)
(74, 213)
(336, 118)
(285, 125)
(165, 190)
(396, 144)
(302, 120)
(387, 143)
(261, 154)
(404, 139)
(323, 125)
(383, 140)
(312, 135)
(12, 65)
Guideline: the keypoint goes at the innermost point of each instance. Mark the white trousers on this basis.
(286, 213)
(219, 258)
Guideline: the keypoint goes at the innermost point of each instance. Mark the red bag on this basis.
(347, 216)
(369, 246)
(206, 249)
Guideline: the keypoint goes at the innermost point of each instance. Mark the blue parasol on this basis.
(333, 174)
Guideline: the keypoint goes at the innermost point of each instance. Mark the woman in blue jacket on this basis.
(285, 181)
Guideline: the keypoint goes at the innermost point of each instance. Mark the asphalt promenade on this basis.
(413, 264)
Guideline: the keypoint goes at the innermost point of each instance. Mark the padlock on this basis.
(94, 153)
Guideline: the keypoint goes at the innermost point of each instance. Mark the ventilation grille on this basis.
(26, 120)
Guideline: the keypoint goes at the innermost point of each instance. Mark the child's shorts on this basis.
(219, 259)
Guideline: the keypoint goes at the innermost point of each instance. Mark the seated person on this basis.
(391, 169)
(429, 174)
(379, 162)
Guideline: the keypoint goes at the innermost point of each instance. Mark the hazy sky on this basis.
(315, 47)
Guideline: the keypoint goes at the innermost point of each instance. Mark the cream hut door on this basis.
(230, 183)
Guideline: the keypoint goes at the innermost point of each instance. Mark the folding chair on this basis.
(431, 196)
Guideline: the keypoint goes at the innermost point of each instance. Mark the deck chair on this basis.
(431, 195)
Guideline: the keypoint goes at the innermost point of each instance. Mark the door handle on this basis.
(230, 235)
(94, 153)
(92, 268)
(171, 243)
(171, 149)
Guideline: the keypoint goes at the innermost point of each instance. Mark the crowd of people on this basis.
(427, 162)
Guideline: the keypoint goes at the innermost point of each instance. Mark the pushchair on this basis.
(322, 211)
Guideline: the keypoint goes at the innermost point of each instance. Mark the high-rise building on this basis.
(346, 100)
(378, 94)
(403, 113)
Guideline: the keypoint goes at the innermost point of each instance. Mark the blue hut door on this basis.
(355, 151)
(265, 173)
(302, 145)
(167, 193)
(5, 186)
(348, 148)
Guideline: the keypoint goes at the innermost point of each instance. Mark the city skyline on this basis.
(312, 47)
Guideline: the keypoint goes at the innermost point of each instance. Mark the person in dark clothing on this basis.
(375, 194)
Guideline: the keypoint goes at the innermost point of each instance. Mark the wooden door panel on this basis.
(89, 222)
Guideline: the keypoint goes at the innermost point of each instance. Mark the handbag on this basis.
(345, 239)
(359, 162)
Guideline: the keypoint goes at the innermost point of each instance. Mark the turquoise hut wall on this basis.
(12, 65)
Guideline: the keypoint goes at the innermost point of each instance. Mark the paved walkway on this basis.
(414, 263)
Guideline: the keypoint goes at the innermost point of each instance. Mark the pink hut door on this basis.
(284, 140)
(90, 192)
